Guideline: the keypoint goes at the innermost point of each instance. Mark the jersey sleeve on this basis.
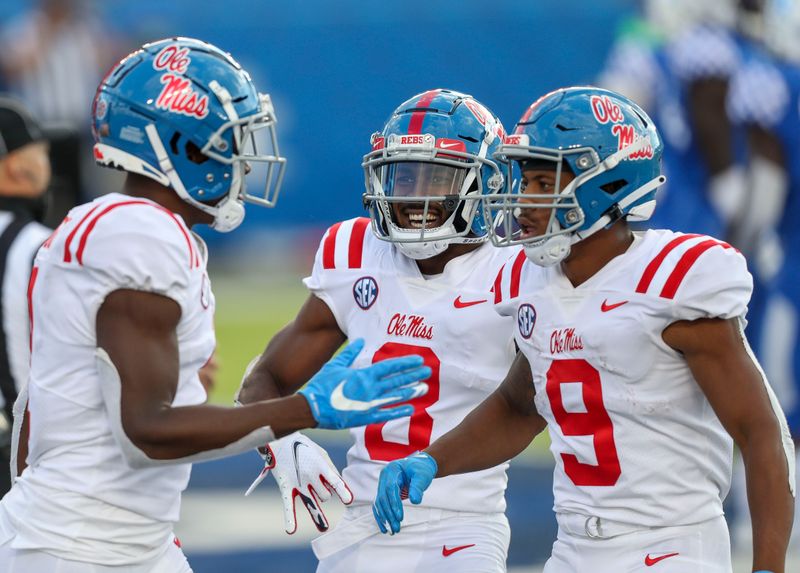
(506, 287)
(758, 95)
(710, 282)
(142, 247)
(341, 255)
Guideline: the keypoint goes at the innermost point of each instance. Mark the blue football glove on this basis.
(407, 477)
(344, 397)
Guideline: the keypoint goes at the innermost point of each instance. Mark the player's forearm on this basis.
(771, 502)
(293, 355)
(491, 434)
(174, 433)
(259, 385)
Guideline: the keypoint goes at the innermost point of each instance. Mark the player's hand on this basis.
(344, 397)
(302, 469)
(407, 477)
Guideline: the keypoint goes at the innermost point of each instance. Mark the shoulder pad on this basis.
(342, 246)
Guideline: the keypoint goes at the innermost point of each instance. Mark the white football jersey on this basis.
(77, 499)
(634, 438)
(378, 294)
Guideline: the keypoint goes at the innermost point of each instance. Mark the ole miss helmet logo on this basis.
(178, 94)
(365, 291)
(526, 319)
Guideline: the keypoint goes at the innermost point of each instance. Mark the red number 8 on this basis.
(594, 422)
(421, 424)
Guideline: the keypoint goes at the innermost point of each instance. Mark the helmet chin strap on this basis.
(422, 251)
(419, 250)
(230, 214)
(551, 251)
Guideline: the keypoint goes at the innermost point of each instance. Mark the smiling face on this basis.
(539, 184)
(425, 185)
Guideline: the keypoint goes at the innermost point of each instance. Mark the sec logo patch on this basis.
(526, 319)
(365, 291)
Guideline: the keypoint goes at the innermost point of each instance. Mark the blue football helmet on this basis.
(606, 141)
(429, 168)
(184, 113)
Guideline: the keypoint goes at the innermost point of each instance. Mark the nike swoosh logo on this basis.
(448, 552)
(458, 303)
(341, 402)
(605, 307)
(650, 561)
(444, 145)
(296, 465)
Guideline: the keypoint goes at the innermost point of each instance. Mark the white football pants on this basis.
(28, 561)
(698, 548)
(429, 540)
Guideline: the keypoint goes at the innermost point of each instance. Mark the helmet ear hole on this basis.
(173, 142)
(614, 186)
(194, 154)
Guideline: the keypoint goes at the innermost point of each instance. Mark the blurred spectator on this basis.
(24, 176)
(677, 62)
(765, 99)
(52, 57)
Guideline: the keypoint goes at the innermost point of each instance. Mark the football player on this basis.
(417, 283)
(631, 349)
(121, 320)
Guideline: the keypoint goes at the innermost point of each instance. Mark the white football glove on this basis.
(302, 469)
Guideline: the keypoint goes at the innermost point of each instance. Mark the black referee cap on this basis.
(17, 127)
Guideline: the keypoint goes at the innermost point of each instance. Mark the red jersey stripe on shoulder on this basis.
(109, 208)
(356, 250)
(652, 268)
(415, 123)
(685, 263)
(516, 273)
(329, 248)
(67, 253)
(31, 284)
(498, 286)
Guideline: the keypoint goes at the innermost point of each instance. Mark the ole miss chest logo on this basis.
(526, 320)
(365, 292)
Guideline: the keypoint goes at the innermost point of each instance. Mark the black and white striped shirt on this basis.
(20, 238)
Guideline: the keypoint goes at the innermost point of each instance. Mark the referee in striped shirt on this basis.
(24, 177)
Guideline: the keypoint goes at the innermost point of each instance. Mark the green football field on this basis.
(248, 315)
